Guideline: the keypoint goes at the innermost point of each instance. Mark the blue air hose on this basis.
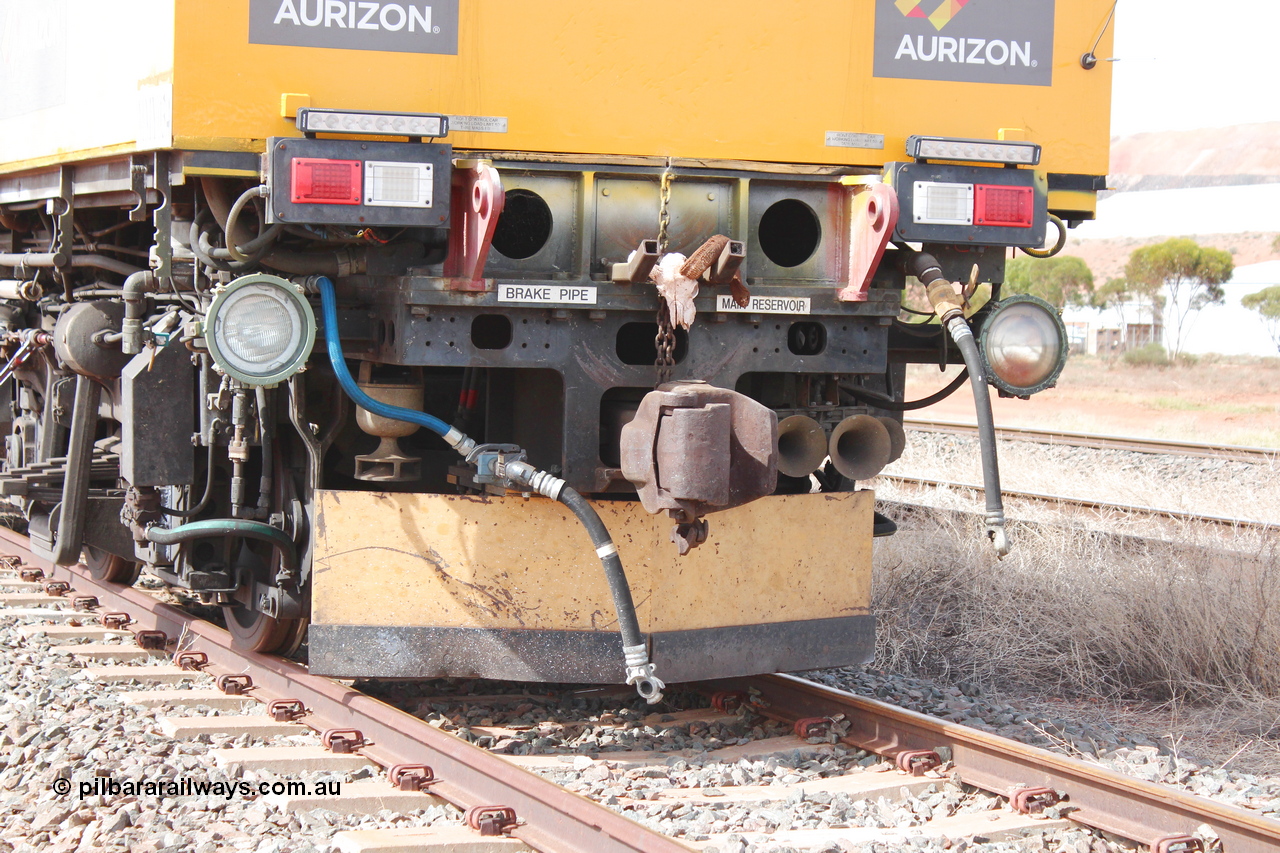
(329, 310)
(639, 669)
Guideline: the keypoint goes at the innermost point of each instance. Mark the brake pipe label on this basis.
(562, 294)
(765, 304)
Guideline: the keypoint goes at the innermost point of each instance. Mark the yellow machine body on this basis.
(752, 80)
(462, 585)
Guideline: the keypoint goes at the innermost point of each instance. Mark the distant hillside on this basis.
(1106, 257)
(1222, 156)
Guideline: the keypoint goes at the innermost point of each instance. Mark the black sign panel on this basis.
(968, 41)
(403, 26)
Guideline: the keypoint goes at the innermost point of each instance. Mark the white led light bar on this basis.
(372, 123)
(937, 203)
(975, 150)
(388, 184)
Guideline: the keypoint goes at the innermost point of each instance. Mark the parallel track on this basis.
(1110, 442)
(553, 819)
(1242, 524)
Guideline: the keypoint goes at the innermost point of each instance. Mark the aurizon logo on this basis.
(940, 16)
(965, 51)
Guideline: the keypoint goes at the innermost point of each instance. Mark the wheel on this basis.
(252, 629)
(255, 631)
(111, 568)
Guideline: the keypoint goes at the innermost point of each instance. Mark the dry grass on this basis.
(1072, 614)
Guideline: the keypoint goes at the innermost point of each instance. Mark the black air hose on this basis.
(947, 304)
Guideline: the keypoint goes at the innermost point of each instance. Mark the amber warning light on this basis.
(325, 181)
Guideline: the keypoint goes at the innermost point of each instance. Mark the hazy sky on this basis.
(1185, 64)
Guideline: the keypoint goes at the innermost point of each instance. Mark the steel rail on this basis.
(552, 819)
(1233, 452)
(1086, 503)
(1096, 796)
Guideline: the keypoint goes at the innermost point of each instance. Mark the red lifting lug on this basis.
(286, 710)
(30, 574)
(85, 602)
(342, 741)
(56, 588)
(1178, 844)
(233, 685)
(811, 726)
(491, 820)
(191, 661)
(410, 777)
(729, 701)
(1033, 800)
(151, 640)
(115, 620)
(917, 761)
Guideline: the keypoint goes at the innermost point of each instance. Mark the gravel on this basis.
(55, 724)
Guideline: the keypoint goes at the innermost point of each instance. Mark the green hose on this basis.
(229, 527)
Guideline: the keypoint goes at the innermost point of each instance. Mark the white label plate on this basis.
(765, 304)
(562, 294)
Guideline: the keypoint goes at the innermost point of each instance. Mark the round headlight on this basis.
(260, 329)
(1024, 344)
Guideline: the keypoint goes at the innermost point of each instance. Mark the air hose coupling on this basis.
(996, 533)
(640, 673)
(525, 476)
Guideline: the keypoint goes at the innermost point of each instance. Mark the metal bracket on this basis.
(411, 777)
(342, 741)
(491, 820)
(872, 218)
(233, 685)
(1178, 844)
(138, 186)
(151, 640)
(31, 575)
(56, 588)
(478, 198)
(286, 710)
(917, 761)
(191, 661)
(85, 602)
(115, 620)
(163, 216)
(729, 701)
(1033, 800)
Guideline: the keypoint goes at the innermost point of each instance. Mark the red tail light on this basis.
(1010, 207)
(326, 181)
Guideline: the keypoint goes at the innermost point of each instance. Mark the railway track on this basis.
(1241, 524)
(505, 802)
(1110, 442)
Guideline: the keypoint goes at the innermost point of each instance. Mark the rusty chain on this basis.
(665, 342)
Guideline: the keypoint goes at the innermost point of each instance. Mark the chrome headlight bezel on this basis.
(302, 330)
(1004, 311)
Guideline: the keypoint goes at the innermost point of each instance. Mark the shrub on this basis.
(1150, 355)
(1077, 612)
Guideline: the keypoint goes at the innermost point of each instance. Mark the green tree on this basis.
(1191, 276)
(1059, 280)
(1267, 303)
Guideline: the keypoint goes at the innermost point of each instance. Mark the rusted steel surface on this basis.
(1098, 797)
(553, 818)
(1235, 452)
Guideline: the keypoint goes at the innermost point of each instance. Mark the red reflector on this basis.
(326, 181)
(1011, 207)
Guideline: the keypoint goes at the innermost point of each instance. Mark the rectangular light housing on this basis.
(1008, 207)
(372, 123)
(316, 181)
(938, 203)
(388, 184)
(974, 150)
